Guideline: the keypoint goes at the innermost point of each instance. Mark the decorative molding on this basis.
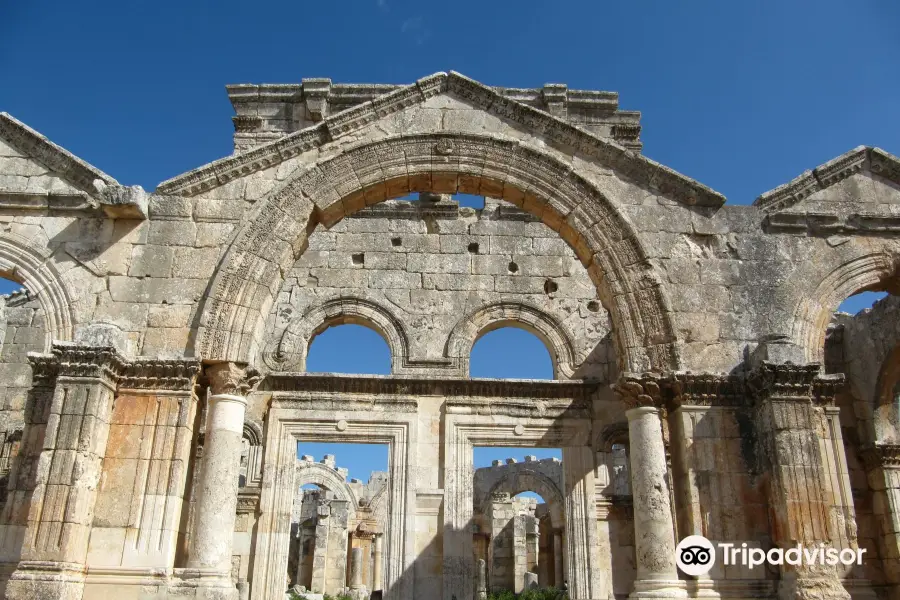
(98, 362)
(246, 123)
(610, 153)
(161, 374)
(44, 369)
(827, 224)
(707, 389)
(859, 159)
(885, 456)
(382, 389)
(782, 382)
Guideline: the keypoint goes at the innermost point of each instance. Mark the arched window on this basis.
(859, 302)
(510, 353)
(349, 349)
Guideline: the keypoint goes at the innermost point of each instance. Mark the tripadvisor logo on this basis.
(696, 555)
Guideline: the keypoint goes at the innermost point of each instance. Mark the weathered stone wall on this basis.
(622, 267)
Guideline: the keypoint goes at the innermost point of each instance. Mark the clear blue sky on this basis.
(742, 96)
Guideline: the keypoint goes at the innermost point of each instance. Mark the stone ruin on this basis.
(154, 367)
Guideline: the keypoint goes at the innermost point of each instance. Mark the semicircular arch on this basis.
(251, 271)
(527, 480)
(325, 477)
(22, 262)
(289, 351)
(512, 314)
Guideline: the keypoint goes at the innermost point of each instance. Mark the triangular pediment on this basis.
(347, 123)
(857, 191)
(33, 165)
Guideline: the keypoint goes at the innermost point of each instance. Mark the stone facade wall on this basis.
(168, 326)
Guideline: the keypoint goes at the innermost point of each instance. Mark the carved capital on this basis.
(44, 369)
(640, 390)
(782, 382)
(231, 378)
(884, 456)
(707, 389)
(93, 362)
(826, 387)
(246, 123)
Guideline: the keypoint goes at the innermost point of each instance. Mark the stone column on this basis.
(356, 569)
(379, 562)
(480, 579)
(790, 423)
(211, 546)
(883, 467)
(558, 575)
(654, 530)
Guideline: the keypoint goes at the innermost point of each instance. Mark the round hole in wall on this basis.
(593, 306)
(550, 287)
(513, 267)
(473, 248)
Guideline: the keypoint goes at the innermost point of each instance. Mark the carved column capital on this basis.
(640, 390)
(884, 456)
(782, 381)
(231, 378)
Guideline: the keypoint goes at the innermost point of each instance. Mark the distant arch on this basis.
(290, 350)
(22, 262)
(528, 480)
(511, 314)
(326, 478)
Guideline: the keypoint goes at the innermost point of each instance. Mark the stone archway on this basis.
(508, 314)
(232, 322)
(21, 261)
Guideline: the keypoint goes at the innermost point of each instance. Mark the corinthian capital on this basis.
(231, 378)
(642, 390)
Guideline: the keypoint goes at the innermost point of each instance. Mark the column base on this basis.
(46, 580)
(658, 588)
(204, 584)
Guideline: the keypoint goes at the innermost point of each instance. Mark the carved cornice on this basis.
(231, 378)
(782, 382)
(860, 158)
(885, 456)
(411, 386)
(339, 402)
(707, 389)
(161, 374)
(246, 123)
(626, 162)
(641, 390)
(534, 408)
(817, 223)
(826, 387)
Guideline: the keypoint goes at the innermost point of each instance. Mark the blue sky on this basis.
(742, 96)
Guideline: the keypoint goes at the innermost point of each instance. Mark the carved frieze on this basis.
(707, 389)
(885, 456)
(161, 374)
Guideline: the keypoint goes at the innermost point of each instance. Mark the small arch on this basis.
(31, 267)
(610, 435)
(289, 351)
(530, 480)
(871, 271)
(508, 314)
(326, 478)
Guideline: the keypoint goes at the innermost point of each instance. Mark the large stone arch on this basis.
(233, 317)
(289, 351)
(325, 477)
(31, 266)
(512, 314)
(869, 269)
